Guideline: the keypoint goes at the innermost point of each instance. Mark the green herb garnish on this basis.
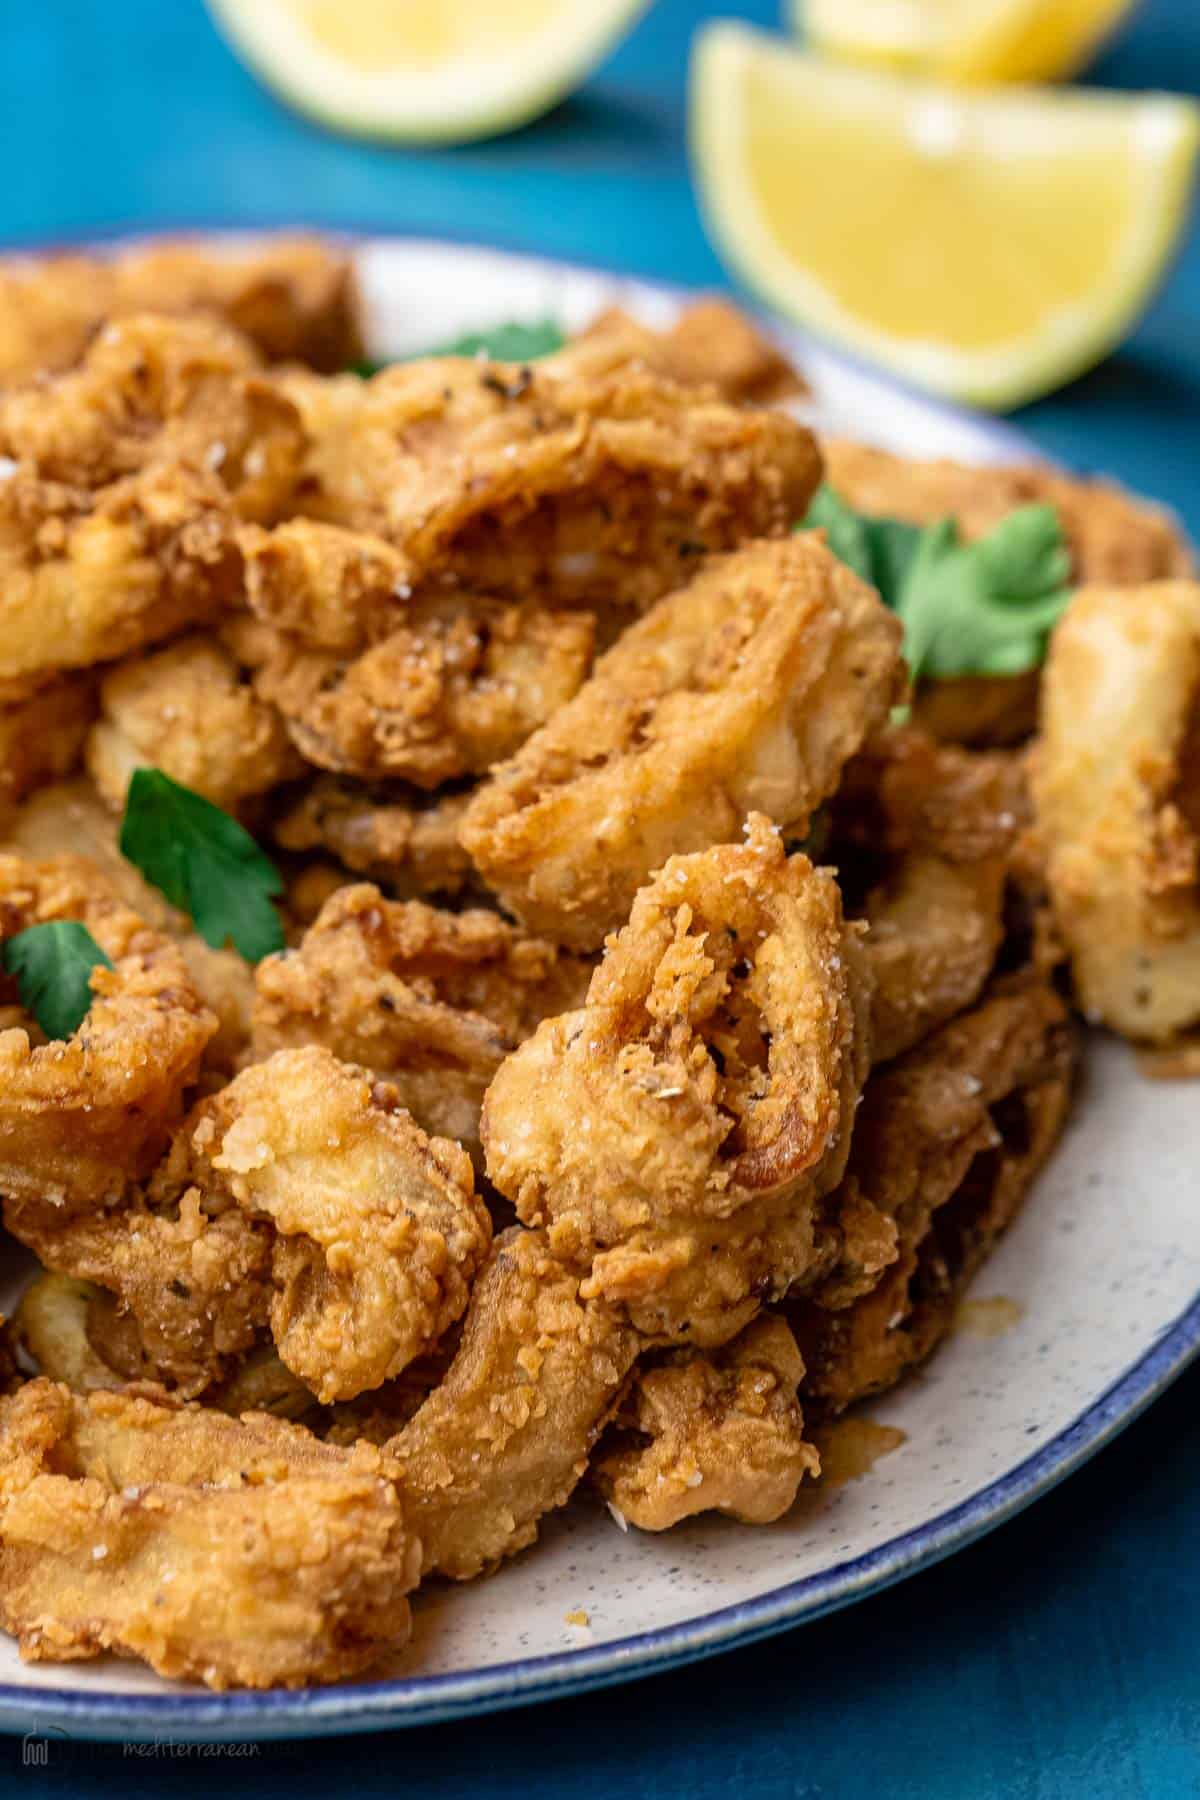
(204, 862)
(984, 608)
(511, 343)
(53, 967)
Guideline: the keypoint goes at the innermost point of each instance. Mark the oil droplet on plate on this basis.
(987, 1318)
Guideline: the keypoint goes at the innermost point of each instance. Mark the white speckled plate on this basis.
(1100, 1275)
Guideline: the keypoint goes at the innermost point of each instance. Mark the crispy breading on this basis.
(929, 832)
(580, 480)
(41, 737)
(432, 1000)
(82, 1117)
(293, 296)
(333, 589)
(196, 1288)
(123, 484)
(233, 1552)
(1116, 786)
(378, 1227)
(712, 343)
(720, 1432)
(50, 1328)
(675, 1135)
(457, 686)
(186, 710)
(505, 1437)
(745, 692)
(69, 818)
(946, 1145)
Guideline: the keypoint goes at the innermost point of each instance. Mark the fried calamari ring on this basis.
(722, 1432)
(746, 691)
(1116, 785)
(506, 1435)
(582, 480)
(186, 711)
(378, 1229)
(432, 1000)
(288, 1559)
(83, 1118)
(674, 1135)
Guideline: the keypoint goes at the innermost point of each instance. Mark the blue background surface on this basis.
(1058, 1658)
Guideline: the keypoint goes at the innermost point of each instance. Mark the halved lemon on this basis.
(963, 40)
(424, 71)
(987, 245)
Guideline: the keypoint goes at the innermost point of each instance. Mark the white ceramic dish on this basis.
(1100, 1277)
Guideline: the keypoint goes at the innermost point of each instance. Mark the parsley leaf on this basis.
(516, 342)
(53, 966)
(204, 862)
(984, 608)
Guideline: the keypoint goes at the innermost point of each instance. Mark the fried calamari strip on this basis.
(125, 480)
(505, 1437)
(746, 691)
(378, 1230)
(721, 1432)
(186, 711)
(293, 296)
(233, 1552)
(675, 1135)
(81, 1118)
(1116, 786)
(432, 1000)
(947, 1143)
(581, 480)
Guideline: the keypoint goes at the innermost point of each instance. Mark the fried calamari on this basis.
(581, 480)
(186, 710)
(675, 1135)
(124, 481)
(747, 691)
(505, 1436)
(292, 296)
(946, 1145)
(721, 1432)
(1116, 784)
(394, 834)
(432, 1000)
(233, 1552)
(81, 1117)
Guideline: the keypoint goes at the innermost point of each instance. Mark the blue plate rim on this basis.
(428, 1699)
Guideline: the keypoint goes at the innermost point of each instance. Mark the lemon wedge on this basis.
(963, 40)
(986, 245)
(423, 71)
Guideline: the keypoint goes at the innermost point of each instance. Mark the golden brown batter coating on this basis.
(233, 1552)
(506, 1435)
(1116, 785)
(745, 692)
(721, 1432)
(432, 1000)
(393, 834)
